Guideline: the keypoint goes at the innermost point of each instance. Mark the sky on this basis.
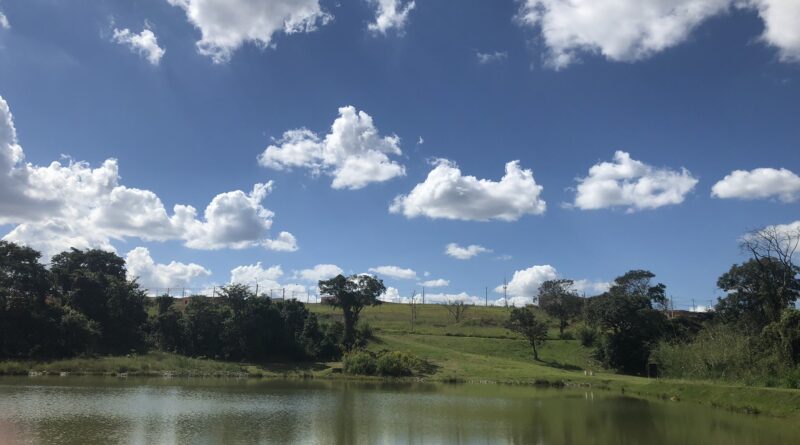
(450, 145)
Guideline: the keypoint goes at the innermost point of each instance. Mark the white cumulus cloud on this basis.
(59, 206)
(626, 182)
(758, 184)
(227, 24)
(390, 14)
(439, 282)
(145, 43)
(4, 24)
(464, 253)
(781, 26)
(149, 274)
(266, 280)
(394, 272)
(446, 193)
(320, 272)
(629, 30)
(353, 153)
(525, 283)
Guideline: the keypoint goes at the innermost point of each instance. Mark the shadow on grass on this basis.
(559, 365)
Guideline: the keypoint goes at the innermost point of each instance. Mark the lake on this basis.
(108, 410)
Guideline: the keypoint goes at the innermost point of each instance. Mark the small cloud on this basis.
(145, 43)
(464, 253)
(394, 272)
(496, 56)
(4, 21)
(440, 282)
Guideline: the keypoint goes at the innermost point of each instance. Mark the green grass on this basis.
(478, 349)
(152, 364)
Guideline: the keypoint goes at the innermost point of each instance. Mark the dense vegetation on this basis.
(83, 304)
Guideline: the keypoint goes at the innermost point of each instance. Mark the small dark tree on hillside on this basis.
(456, 308)
(524, 321)
(559, 300)
(351, 294)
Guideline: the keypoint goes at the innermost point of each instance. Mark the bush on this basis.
(587, 336)
(384, 363)
(397, 364)
(360, 363)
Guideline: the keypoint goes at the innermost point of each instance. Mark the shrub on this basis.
(360, 363)
(587, 336)
(397, 364)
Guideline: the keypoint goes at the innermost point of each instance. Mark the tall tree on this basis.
(524, 321)
(93, 282)
(351, 294)
(559, 300)
(757, 292)
(630, 324)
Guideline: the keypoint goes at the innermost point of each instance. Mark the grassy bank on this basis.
(478, 349)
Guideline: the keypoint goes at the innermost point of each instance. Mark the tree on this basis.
(351, 294)
(757, 292)
(93, 282)
(456, 308)
(630, 324)
(559, 300)
(524, 321)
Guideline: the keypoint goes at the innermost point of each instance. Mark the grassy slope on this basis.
(480, 349)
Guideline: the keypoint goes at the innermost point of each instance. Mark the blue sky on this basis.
(187, 96)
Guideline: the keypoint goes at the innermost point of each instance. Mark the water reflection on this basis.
(166, 411)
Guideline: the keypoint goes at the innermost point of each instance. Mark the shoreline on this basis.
(771, 402)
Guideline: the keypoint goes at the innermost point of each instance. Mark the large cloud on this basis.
(150, 275)
(390, 14)
(628, 30)
(353, 153)
(633, 184)
(759, 183)
(74, 205)
(781, 26)
(227, 24)
(145, 43)
(394, 272)
(524, 285)
(446, 193)
(266, 281)
(464, 253)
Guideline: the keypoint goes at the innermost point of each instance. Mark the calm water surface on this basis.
(92, 410)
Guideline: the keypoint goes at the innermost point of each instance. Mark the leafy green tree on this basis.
(204, 327)
(351, 294)
(757, 292)
(167, 328)
(93, 282)
(784, 334)
(630, 324)
(524, 322)
(558, 299)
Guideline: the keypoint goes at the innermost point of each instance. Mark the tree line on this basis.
(84, 304)
(751, 335)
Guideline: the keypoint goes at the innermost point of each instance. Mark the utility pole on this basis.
(486, 296)
(505, 294)
(423, 295)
